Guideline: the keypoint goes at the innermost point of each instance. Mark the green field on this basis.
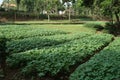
(52, 52)
(59, 39)
(62, 27)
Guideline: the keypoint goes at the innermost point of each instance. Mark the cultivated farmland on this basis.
(40, 53)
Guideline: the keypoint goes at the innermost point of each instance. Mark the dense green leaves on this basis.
(42, 54)
(21, 34)
(57, 58)
(103, 66)
(38, 42)
(96, 26)
(18, 4)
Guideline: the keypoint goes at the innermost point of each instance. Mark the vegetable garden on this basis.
(42, 54)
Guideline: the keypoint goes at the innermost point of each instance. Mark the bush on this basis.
(109, 27)
(43, 16)
(94, 25)
(7, 14)
(103, 66)
(113, 28)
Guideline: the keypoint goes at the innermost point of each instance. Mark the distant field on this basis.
(66, 28)
(60, 21)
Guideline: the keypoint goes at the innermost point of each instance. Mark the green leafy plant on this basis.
(57, 58)
(103, 66)
(112, 28)
(25, 32)
(39, 42)
(96, 26)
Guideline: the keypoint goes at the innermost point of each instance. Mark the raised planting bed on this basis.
(50, 61)
(103, 66)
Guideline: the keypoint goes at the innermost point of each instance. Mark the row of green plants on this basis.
(21, 34)
(39, 42)
(97, 26)
(57, 58)
(103, 66)
(13, 28)
(4, 28)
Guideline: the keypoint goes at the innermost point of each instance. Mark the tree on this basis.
(85, 7)
(38, 7)
(111, 8)
(29, 5)
(79, 6)
(6, 4)
(18, 4)
(69, 5)
(50, 6)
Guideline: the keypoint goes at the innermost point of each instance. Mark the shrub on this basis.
(113, 28)
(43, 16)
(94, 25)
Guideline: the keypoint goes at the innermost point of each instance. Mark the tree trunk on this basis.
(48, 18)
(56, 9)
(8, 5)
(117, 17)
(14, 16)
(18, 7)
(117, 24)
(69, 14)
(112, 21)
